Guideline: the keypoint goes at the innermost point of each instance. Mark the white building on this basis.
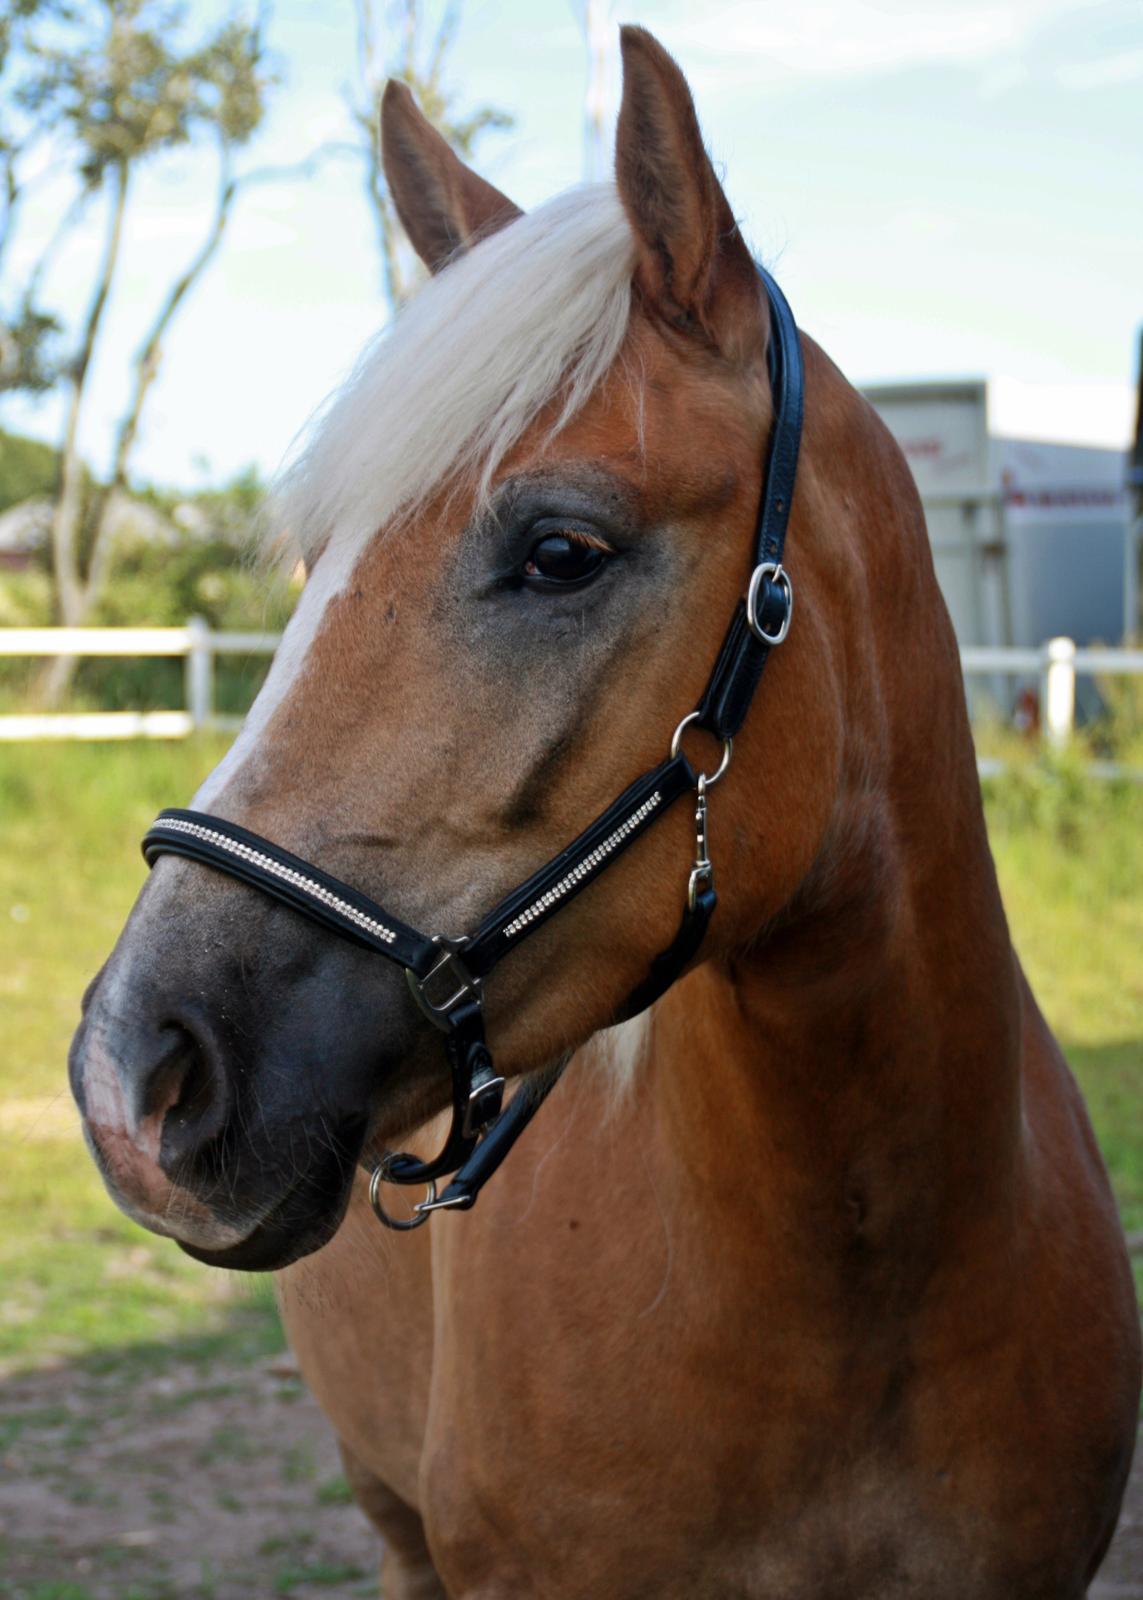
(1030, 540)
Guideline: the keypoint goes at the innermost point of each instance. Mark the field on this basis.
(106, 1332)
(153, 1442)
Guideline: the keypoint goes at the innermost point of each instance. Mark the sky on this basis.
(944, 188)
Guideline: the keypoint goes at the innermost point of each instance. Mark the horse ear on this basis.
(442, 204)
(693, 265)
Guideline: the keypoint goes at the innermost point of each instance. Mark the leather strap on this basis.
(566, 875)
(477, 1097)
(670, 963)
(299, 884)
(731, 688)
(477, 1090)
(467, 1182)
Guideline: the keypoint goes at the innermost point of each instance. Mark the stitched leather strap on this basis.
(477, 1096)
(480, 1134)
(743, 655)
(566, 875)
(299, 884)
(670, 963)
(467, 1182)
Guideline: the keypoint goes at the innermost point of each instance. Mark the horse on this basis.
(806, 1280)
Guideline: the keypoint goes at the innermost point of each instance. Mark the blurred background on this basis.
(195, 243)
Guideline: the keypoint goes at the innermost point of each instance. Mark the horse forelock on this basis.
(528, 321)
(525, 324)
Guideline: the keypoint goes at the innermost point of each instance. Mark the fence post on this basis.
(1058, 691)
(1132, 544)
(199, 674)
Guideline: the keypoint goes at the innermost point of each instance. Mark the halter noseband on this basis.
(446, 976)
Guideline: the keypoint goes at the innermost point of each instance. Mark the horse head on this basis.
(526, 520)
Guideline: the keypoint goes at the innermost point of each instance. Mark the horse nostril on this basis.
(184, 1098)
(171, 1076)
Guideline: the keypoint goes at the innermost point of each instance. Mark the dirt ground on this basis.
(193, 1482)
(1121, 1577)
(183, 1483)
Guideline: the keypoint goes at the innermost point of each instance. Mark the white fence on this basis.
(196, 644)
(1056, 666)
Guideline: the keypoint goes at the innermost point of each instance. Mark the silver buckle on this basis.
(476, 1123)
(452, 983)
(776, 571)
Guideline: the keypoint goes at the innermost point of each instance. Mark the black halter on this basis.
(446, 976)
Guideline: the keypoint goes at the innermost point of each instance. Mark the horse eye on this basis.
(560, 558)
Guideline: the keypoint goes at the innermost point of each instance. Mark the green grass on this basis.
(319, 1574)
(80, 1280)
(1069, 852)
(58, 1591)
(334, 1492)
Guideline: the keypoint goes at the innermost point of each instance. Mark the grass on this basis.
(334, 1491)
(1069, 852)
(319, 1574)
(80, 1280)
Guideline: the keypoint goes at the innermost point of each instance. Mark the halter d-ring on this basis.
(709, 778)
(420, 1211)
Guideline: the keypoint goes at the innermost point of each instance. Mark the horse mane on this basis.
(530, 317)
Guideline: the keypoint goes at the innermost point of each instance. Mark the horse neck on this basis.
(861, 1052)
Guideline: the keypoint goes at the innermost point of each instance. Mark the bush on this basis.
(27, 468)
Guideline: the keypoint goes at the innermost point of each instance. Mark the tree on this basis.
(398, 41)
(115, 84)
(16, 20)
(26, 335)
(121, 86)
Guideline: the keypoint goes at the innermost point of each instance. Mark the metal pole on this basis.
(199, 673)
(597, 32)
(1132, 538)
(1131, 620)
(1058, 697)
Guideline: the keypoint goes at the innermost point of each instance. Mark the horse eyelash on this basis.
(592, 541)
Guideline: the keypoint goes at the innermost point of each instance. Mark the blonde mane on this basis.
(533, 315)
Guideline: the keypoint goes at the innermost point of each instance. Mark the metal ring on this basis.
(709, 778)
(776, 571)
(420, 1212)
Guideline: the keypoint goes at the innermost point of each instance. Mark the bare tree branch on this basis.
(412, 40)
(78, 204)
(366, 39)
(68, 507)
(443, 43)
(10, 192)
(409, 38)
(149, 356)
(308, 167)
(146, 370)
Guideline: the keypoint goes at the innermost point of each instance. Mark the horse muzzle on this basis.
(227, 1082)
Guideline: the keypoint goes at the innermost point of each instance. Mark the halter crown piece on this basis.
(446, 976)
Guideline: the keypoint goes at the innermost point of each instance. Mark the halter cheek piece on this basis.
(446, 976)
